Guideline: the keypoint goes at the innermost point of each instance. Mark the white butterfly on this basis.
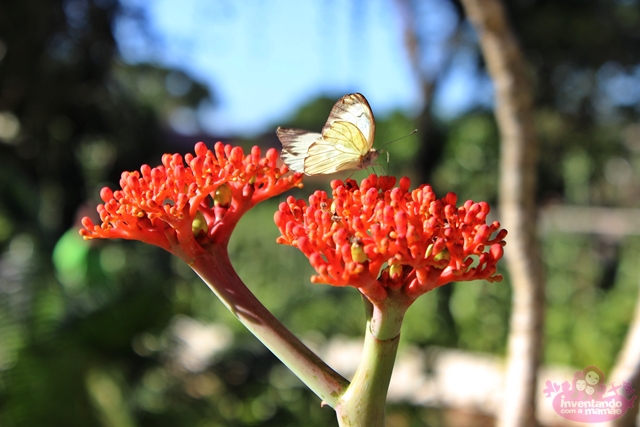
(345, 142)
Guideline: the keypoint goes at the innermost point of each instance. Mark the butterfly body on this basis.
(345, 142)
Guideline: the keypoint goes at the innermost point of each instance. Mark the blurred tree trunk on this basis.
(627, 368)
(514, 114)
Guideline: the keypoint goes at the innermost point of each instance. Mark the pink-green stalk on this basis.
(363, 403)
(216, 271)
(359, 403)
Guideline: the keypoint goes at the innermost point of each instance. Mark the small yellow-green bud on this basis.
(223, 196)
(429, 251)
(442, 256)
(395, 270)
(357, 251)
(199, 224)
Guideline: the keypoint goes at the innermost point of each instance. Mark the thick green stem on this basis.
(363, 404)
(217, 272)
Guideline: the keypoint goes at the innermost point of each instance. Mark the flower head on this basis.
(377, 237)
(185, 207)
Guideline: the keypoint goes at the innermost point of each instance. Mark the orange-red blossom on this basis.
(184, 205)
(377, 237)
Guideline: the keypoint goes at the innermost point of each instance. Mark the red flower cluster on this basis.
(184, 208)
(419, 242)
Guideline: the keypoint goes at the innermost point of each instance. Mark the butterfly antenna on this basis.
(398, 139)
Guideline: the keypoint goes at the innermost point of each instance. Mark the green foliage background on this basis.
(87, 330)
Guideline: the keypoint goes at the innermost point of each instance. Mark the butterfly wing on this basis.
(355, 109)
(346, 137)
(295, 146)
(340, 148)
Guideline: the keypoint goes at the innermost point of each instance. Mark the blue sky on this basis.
(263, 59)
